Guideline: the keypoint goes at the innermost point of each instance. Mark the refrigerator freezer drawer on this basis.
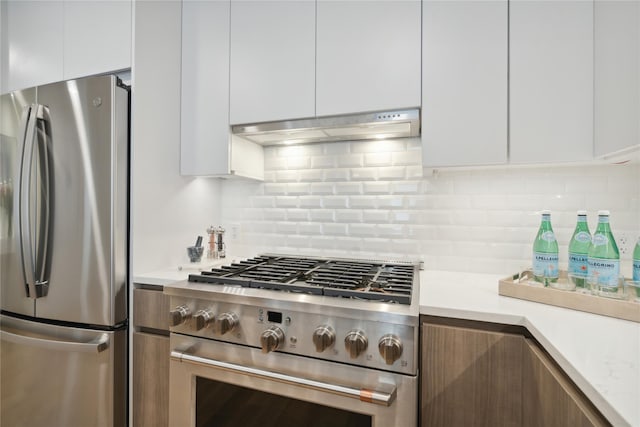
(53, 375)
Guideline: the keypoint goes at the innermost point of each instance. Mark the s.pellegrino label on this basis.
(604, 272)
(636, 270)
(545, 265)
(578, 264)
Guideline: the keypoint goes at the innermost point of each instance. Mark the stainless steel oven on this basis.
(245, 355)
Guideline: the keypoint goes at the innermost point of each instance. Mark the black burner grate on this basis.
(360, 280)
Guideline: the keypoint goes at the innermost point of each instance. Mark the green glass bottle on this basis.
(604, 258)
(579, 250)
(545, 252)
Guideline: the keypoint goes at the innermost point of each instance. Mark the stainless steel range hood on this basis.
(378, 125)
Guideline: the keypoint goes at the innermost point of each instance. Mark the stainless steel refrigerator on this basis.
(64, 151)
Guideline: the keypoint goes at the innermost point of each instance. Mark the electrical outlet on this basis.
(624, 243)
(234, 229)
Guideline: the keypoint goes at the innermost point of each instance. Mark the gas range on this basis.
(354, 312)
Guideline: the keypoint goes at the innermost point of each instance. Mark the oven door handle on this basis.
(384, 396)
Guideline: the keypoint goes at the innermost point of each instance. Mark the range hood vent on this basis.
(378, 125)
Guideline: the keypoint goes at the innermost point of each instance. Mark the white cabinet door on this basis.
(272, 60)
(205, 137)
(97, 37)
(32, 45)
(551, 81)
(617, 76)
(464, 82)
(368, 55)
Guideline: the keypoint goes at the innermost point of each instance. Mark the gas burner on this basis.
(385, 282)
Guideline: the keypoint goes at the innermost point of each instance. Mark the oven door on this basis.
(219, 384)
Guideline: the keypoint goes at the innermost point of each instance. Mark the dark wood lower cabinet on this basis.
(480, 374)
(150, 380)
(551, 399)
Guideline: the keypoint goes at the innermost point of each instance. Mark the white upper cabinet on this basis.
(368, 55)
(204, 125)
(464, 82)
(32, 45)
(617, 76)
(272, 60)
(97, 37)
(551, 81)
(206, 145)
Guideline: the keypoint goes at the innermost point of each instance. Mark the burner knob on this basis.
(201, 319)
(271, 339)
(356, 343)
(323, 338)
(226, 322)
(390, 348)
(179, 315)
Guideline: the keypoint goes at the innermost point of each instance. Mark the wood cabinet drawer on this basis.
(150, 309)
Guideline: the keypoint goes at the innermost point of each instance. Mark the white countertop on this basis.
(600, 354)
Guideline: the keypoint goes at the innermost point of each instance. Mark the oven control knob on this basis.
(201, 319)
(226, 322)
(390, 348)
(271, 339)
(356, 343)
(323, 337)
(179, 315)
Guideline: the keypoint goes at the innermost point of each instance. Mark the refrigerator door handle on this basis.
(97, 345)
(24, 203)
(34, 259)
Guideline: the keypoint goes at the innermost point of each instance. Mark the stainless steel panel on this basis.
(401, 412)
(58, 376)
(13, 289)
(88, 149)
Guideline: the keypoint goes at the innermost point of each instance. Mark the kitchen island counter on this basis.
(600, 354)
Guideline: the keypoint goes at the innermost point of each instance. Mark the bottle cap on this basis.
(545, 212)
(603, 213)
(582, 213)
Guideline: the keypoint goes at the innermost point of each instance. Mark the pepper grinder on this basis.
(216, 242)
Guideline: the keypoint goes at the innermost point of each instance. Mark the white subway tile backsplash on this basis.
(321, 188)
(321, 215)
(286, 176)
(297, 215)
(286, 202)
(348, 215)
(377, 159)
(375, 216)
(370, 199)
(348, 188)
(322, 162)
(336, 175)
(310, 202)
(392, 173)
(298, 188)
(405, 187)
(272, 188)
(334, 229)
(377, 187)
(363, 174)
(302, 162)
(349, 161)
(335, 201)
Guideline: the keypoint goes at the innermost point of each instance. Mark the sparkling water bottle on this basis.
(636, 262)
(604, 258)
(545, 252)
(579, 250)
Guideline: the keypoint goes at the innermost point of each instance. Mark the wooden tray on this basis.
(517, 286)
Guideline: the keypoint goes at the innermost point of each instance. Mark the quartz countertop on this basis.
(600, 354)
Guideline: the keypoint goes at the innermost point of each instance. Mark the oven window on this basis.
(220, 404)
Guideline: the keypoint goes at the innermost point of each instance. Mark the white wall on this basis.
(368, 199)
(168, 211)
